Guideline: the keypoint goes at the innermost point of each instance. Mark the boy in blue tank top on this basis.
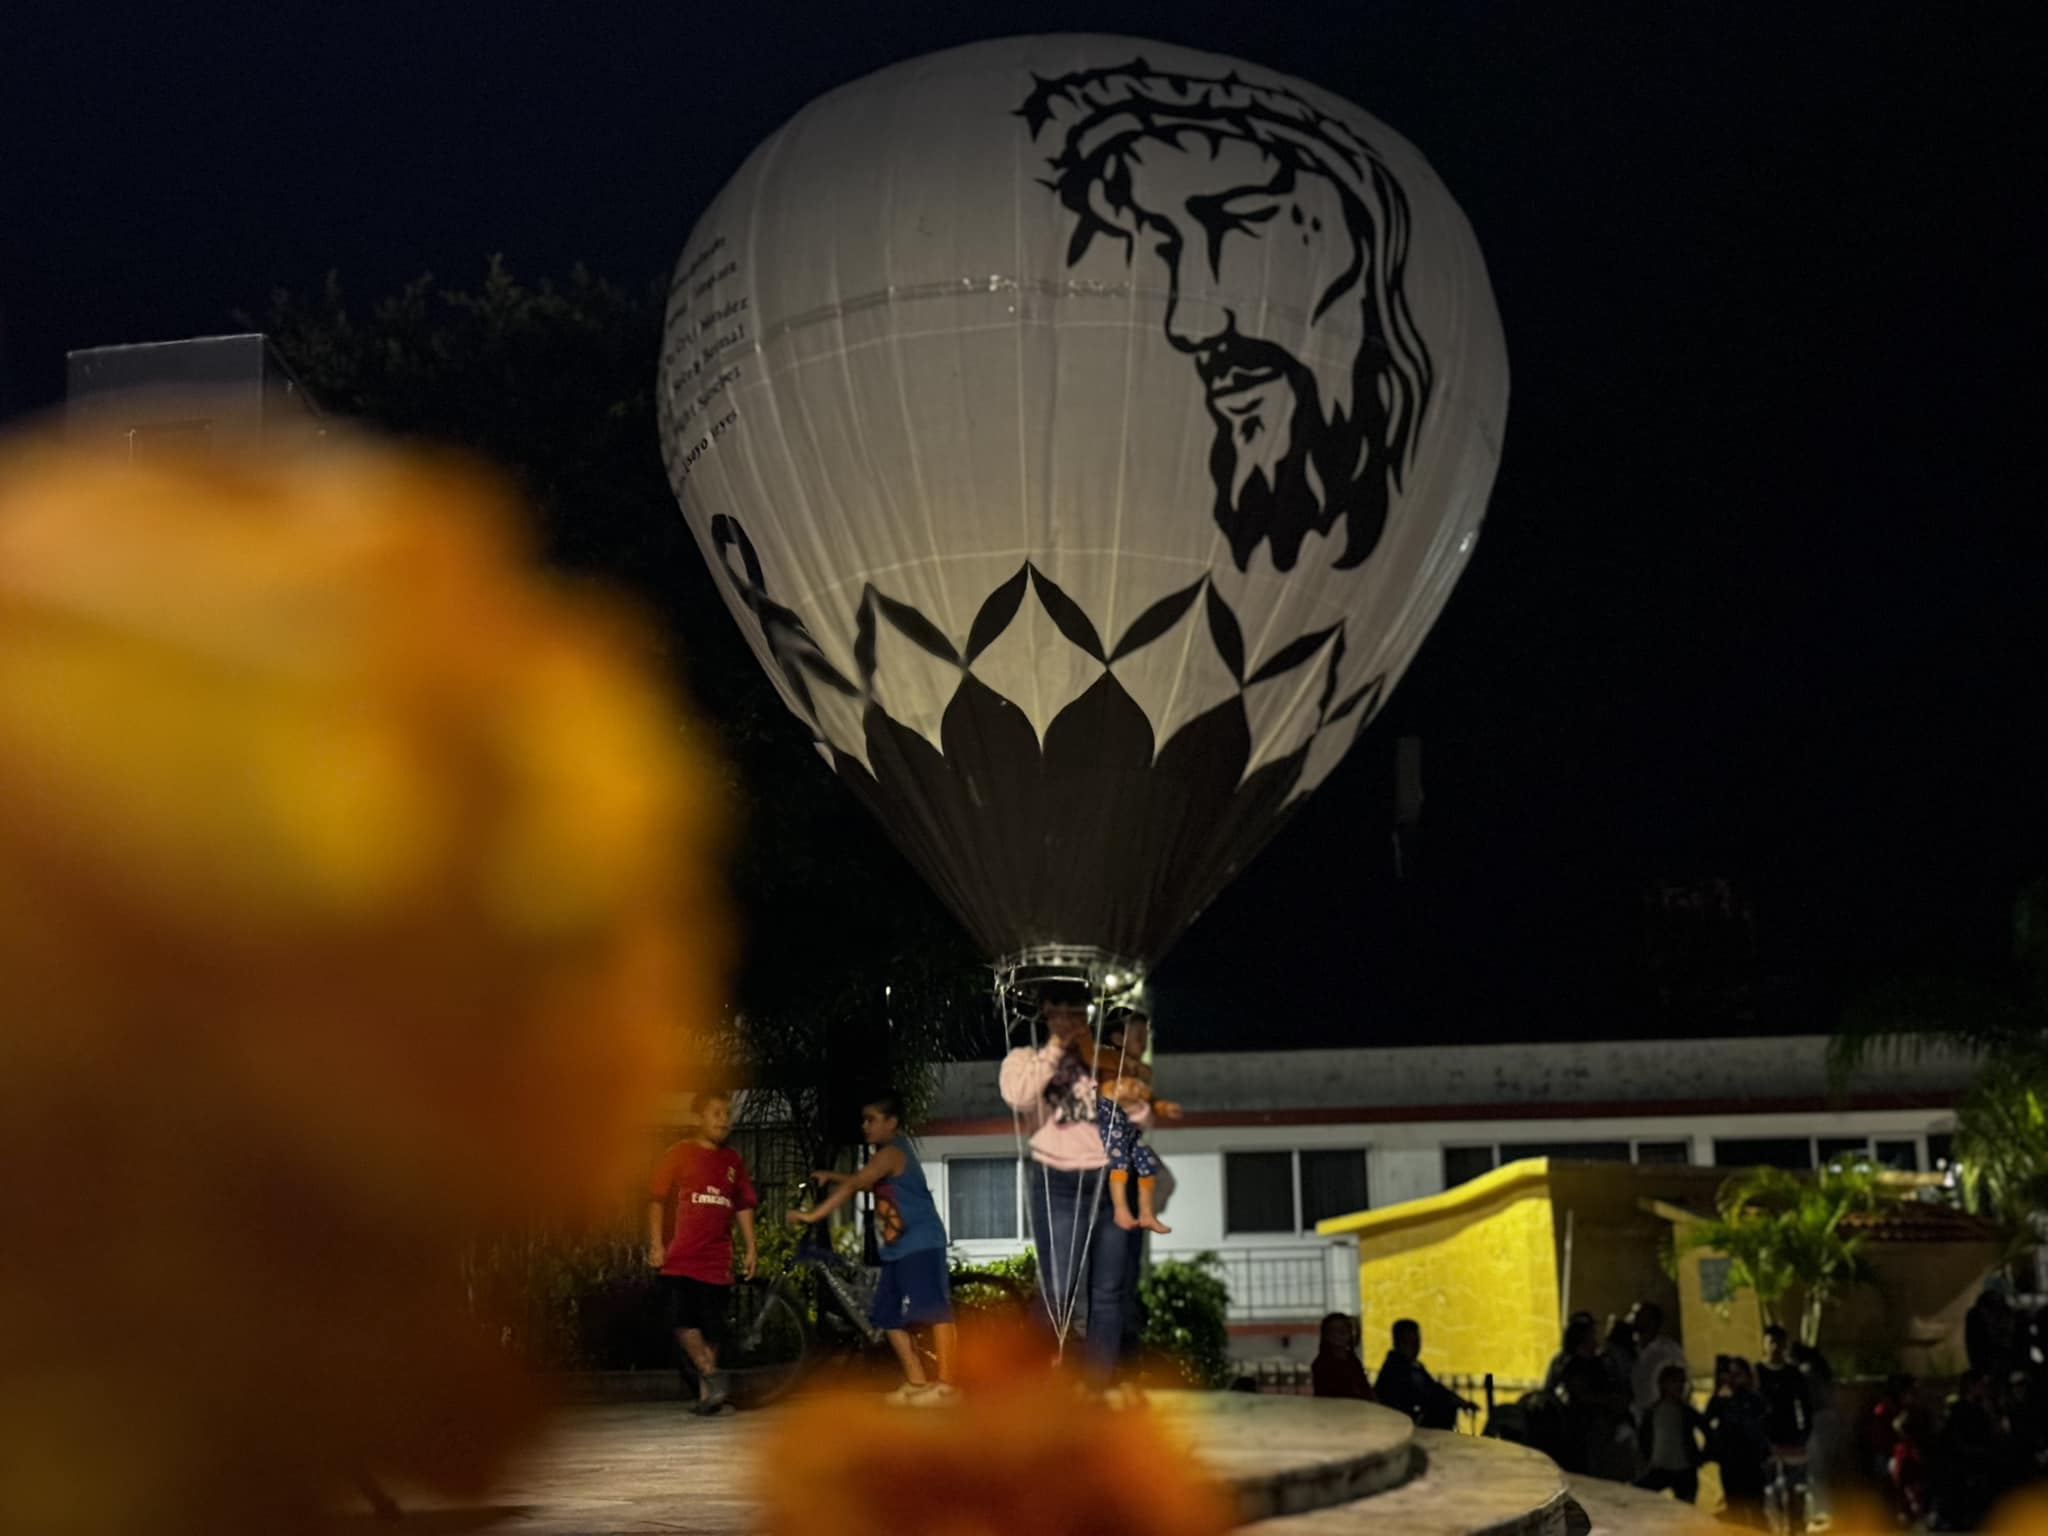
(914, 1291)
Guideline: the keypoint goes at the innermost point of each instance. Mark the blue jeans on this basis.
(1063, 1230)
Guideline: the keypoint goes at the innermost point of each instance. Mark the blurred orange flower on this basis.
(2024, 1514)
(1017, 1452)
(357, 894)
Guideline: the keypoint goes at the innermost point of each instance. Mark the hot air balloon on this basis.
(1087, 432)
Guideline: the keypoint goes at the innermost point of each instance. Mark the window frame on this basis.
(1362, 1151)
(1019, 1232)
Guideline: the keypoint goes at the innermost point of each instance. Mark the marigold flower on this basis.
(1017, 1452)
(356, 895)
(2024, 1514)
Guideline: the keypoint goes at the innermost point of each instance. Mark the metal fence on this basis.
(1275, 1283)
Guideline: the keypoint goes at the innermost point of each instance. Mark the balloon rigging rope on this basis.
(1024, 1159)
(1095, 1214)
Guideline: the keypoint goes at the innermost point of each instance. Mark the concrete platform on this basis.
(1614, 1509)
(1290, 1455)
(1464, 1486)
(622, 1468)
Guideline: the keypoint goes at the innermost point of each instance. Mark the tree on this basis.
(1186, 1304)
(1782, 1232)
(853, 976)
(2001, 1136)
(1998, 1016)
(2001, 1146)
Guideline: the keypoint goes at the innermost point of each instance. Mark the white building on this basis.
(1273, 1142)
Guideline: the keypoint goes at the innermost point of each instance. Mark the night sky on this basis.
(1761, 596)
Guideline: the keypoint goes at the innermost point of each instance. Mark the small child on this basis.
(915, 1290)
(705, 1183)
(1123, 1085)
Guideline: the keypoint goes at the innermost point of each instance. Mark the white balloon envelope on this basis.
(1088, 431)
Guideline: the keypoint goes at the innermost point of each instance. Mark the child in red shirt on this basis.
(705, 1183)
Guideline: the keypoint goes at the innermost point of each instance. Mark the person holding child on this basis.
(1123, 1086)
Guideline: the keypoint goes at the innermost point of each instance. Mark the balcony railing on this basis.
(1296, 1283)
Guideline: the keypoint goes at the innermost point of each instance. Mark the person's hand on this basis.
(802, 1218)
(824, 1176)
(656, 1256)
(1066, 1025)
(750, 1263)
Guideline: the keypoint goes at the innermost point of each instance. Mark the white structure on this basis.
(1274, 1141)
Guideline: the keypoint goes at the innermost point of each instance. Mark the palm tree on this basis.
(2001, 1136)
(1782, 1232)
(2001, 1146)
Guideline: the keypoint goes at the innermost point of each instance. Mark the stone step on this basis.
(1615, 1509)
(1463, 1486)
(1289, 1455)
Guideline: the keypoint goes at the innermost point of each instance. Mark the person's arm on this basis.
(1027, 1070)
(885, 1162)
(750, 1257)
(659, 1189)
(657, 1250)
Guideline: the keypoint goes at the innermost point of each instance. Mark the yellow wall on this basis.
(1910, 1318)
(1619, 1242)
(1711, 1329)
(1476, 1266)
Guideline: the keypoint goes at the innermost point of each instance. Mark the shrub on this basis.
(1187, 1306)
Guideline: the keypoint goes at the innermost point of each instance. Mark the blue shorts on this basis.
(914, 1292)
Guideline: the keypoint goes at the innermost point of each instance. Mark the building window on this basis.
(1832, 1147)
(1463, 1164)
(1714, 1284)
(1899, 1156)
(1790, 1152)
(981, 1198)
(1291, 1191)
(1663, 1151)
(1332, 1184)
(1258, 1192)
(1941, 1151)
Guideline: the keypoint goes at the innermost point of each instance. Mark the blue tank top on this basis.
(906, 1216)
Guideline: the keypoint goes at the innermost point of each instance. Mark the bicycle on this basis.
(777, 1336)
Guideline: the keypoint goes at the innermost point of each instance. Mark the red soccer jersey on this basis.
(705, 1187)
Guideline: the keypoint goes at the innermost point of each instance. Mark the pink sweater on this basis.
(1074, 1145)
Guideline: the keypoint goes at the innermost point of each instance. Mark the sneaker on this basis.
(909, 1394)
(938, 1395)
